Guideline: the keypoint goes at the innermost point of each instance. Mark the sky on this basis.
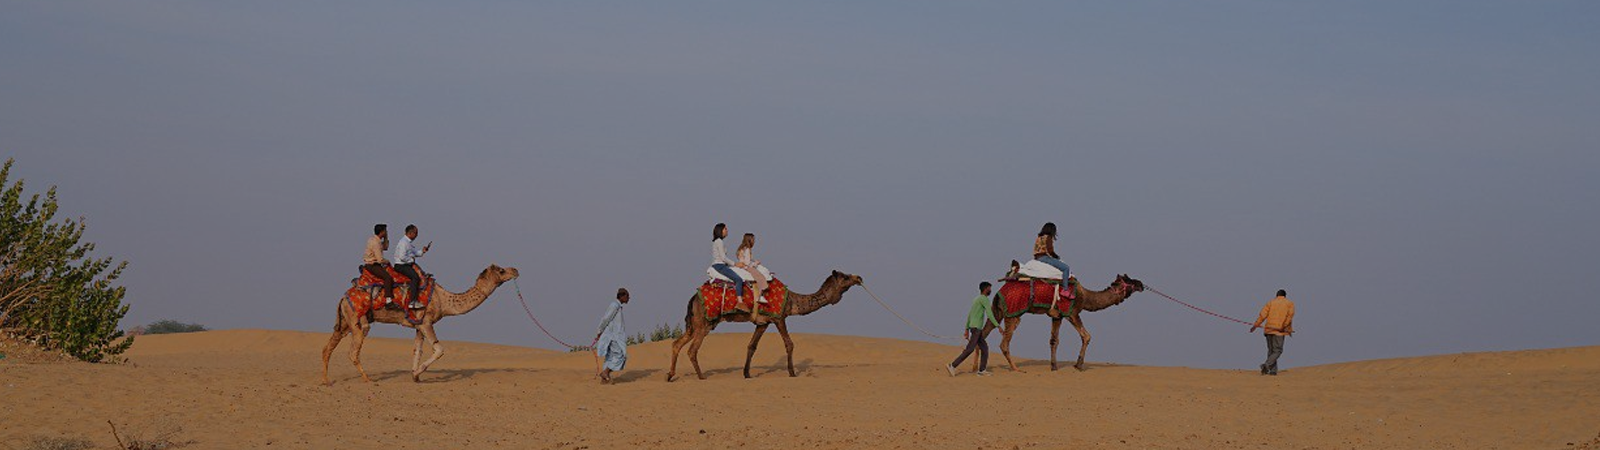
(1420, 176)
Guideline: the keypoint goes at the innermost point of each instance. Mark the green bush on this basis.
(51, 291)
(661, 333)
(170, 326)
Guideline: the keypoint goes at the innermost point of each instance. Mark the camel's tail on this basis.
(688, 316)
(339, 324)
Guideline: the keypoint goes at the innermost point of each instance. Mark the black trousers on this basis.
(377, 270)
(1274, 350)
(975, 341)
(410, 271)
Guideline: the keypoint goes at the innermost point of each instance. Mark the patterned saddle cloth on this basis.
(366, 294)
(720, 299)
(1017, 295)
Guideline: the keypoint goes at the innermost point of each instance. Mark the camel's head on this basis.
(846, 280)
(498, 274)
(1128, 285)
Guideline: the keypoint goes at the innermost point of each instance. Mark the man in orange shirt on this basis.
(1278, 318)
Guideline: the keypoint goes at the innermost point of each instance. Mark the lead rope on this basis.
(570, 347)
(1203, 310)
(540, 325)
(903, 319)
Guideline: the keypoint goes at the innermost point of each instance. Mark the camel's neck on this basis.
(455, 304)
(1101, 299)
(801, 304)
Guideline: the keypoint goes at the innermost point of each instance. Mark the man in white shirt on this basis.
(405, 262)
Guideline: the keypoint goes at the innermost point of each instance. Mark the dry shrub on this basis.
(57, 443)
(165, 436)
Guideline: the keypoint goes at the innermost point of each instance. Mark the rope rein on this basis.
(902, 318)
(1147, 288)
(885, 307)
(1203, 310)
(540, 325)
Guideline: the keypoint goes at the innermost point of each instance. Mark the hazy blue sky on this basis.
(1421, 176)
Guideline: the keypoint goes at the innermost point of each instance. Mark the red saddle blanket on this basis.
(364, 301)
(368, 280)
(1017, 296)
(720, 299)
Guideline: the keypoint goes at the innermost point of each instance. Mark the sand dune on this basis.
(256, 388)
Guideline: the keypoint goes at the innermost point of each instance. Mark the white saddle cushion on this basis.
(713, 274)
(1036, 269)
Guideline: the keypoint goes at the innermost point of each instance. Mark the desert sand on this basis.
(259, 389)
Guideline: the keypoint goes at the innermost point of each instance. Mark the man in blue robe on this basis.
(611, 343)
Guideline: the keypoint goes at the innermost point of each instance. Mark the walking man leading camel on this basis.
(611, 342)
(977, 316)
(1278, 318)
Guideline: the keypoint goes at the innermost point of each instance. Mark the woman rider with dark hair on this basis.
(719, 258)
(1044, 250)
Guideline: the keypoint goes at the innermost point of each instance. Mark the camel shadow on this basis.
(1065, 366)
(802, 368)
(756, 369)
(634, 375)
(446, 375)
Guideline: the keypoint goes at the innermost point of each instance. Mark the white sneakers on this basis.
(953, 372)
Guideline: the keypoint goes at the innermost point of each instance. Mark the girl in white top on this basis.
(720, 261)
(750, 264)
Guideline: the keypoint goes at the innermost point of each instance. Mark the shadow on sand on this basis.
(802, 368)
(442, 375)
(1043, 365)
(629, 376)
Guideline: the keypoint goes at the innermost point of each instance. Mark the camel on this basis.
(443, 304)
(1087, 300)
(696, 327)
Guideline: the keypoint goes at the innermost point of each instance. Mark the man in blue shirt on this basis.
(405, 262)
(611, 343)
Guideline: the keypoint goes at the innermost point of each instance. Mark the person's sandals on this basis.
(951, 369)
(984, 373)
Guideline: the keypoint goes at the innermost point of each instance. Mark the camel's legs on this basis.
(416, 356)
(1077, 322)
(694, 350)
(788, 344)
(438, 349)
(359, 333)
(339, 330)
(1005, 340)
(755, 339)
(1055, 338)
(677, 346)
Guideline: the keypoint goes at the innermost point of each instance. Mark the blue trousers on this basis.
(1056, 263)
(727, 271)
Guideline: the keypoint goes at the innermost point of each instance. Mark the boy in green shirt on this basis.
(976, 317)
